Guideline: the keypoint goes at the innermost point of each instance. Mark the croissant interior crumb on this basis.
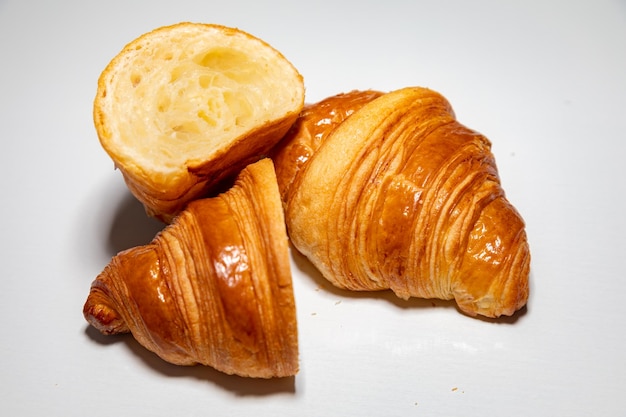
(207, 90)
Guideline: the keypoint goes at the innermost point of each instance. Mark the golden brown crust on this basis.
(214, 287)
(315, 123)
(184, 107)
(401, 196)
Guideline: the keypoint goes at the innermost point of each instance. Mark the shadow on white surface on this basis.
(306, 268)
(235, 384)
(131, 226)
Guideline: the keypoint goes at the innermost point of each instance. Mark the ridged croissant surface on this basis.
(184, 107)
(390, 191)
(214, 287)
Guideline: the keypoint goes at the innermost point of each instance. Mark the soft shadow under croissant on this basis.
(214, 287)
(390, 191)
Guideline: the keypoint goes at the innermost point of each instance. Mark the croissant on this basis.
(213, 287)
(183, 108)
(390, 191)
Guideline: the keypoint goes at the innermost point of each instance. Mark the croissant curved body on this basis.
(397, 194)
(214, 287)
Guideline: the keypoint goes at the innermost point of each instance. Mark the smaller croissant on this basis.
(389, 191)
(214, 287)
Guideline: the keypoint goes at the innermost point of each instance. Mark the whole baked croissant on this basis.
(390, 191)
(214, 287)
(185, 107)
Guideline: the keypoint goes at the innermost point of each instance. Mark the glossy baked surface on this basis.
(213, 288)
(544, 81)
(400, 195)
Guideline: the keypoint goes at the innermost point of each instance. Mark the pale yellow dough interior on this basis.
(193, 103)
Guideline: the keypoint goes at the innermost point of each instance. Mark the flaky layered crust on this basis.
(401, 196)
(315, 123)
(184, 107)
(214, 287)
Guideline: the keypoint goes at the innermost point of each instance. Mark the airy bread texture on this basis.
(185, 107)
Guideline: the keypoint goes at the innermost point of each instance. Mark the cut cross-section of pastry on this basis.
(214, 287)
(184, 107)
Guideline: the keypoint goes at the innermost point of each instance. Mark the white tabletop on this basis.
(544, 80)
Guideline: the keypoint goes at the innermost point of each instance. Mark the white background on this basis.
(544, 80)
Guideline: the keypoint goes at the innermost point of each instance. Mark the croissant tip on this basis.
(512, 300)
(101, 316)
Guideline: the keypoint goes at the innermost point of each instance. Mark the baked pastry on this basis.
(185, 107)
(309, 131)
(399, 195)
(213, 288)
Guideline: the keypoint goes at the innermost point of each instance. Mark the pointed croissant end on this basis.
(103, 317)
(494, 276)
(99, 309)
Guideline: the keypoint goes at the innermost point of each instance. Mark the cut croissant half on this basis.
(397, 194)
(213, 288)
(184, 107)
